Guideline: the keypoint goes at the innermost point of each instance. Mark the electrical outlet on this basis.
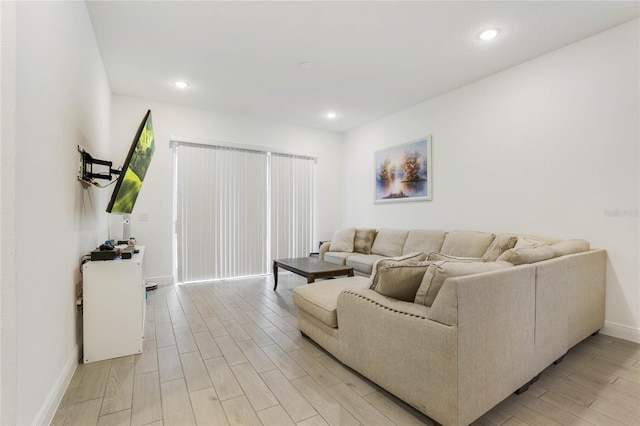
(143, 217)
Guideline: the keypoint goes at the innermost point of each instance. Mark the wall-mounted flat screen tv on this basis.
(134, 169)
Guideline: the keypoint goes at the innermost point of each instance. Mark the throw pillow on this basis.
(500, 244)
(523, 255)
(438, 272)
(407, 259)
(401, 282)
(364, 240)
(343, 240)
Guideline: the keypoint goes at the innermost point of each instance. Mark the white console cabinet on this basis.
(114, 301)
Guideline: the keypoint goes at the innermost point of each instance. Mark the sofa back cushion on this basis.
(364, 240)
(563, 248)
(500, 244)
(401, 281)
(524, 255)
(438, 272)
(466, 243)
(389, 242)
(527, 242)
(343, 240)
(528, 250)
(423, 240)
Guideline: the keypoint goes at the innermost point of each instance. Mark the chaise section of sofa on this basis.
(317, 309)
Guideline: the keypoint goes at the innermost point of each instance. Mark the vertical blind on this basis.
(291, 199)
(237, 209)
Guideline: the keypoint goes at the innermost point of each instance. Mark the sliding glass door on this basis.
(237, 209)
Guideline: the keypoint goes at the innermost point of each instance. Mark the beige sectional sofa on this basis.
(490, 313)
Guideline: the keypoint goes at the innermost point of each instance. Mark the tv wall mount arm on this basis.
(86, 172)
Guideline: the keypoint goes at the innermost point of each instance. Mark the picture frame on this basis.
(404, 172)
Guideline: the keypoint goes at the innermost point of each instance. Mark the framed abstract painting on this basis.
(404, 173)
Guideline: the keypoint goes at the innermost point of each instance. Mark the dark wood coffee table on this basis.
(309, 267)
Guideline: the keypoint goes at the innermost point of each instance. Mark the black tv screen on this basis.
(134, 169)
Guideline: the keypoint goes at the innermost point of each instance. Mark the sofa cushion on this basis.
(466, 243)
(438, 272)
(320, 299)
(524, 255)
(389, 242)
(500, 244)
(337, 257)
(363, 262)
(407, 259)
(423, 240)
(364, 240)
(343, 240)
(401, 281)
(564, 248)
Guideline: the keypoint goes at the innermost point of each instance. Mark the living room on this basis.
(547, 146)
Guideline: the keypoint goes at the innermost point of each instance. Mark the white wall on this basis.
(548, 147)
(155, 199)
(63, 100)
(7, 213)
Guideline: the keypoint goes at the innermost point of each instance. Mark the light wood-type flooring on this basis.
(228, 352)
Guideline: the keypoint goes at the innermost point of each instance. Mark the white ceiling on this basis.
(368, 59)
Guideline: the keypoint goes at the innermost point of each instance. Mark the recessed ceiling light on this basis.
(181, 84)
(489, 34)
(305, 65)
(331, 115)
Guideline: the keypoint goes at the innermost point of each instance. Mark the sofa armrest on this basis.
(496, 320)
(323, 249)
(579, 309)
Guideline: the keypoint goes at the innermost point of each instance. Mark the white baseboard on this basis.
(163, 280)
(48, 409)
(621, 331)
